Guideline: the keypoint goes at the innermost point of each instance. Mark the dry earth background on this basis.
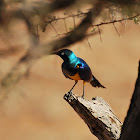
(35, 108)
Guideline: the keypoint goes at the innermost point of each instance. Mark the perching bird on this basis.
(76, 69)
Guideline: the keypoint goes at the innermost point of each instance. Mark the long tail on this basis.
(96, 83)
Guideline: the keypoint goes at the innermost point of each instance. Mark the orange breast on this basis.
(75, 77)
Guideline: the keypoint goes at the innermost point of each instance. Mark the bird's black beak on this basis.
(56, 53)
(53, 53)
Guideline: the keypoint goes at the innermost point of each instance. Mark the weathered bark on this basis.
(101, 119)
(98, 115)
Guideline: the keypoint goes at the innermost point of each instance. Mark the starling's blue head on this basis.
(67, 55)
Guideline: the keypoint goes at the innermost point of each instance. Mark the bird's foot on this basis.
(70, 92)
(82, 96)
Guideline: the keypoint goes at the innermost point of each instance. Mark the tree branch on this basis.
(98, 115)
(43, 26)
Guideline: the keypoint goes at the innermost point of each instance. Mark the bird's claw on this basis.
(82, 96)
(70, 92)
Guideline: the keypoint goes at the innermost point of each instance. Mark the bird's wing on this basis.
(85, 74)
(84, 71)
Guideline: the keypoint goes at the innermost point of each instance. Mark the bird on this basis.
(77, 69)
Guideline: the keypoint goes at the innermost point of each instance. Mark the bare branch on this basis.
(64, 18)
(119, 20)
(84, 13)
(98, 116)
(93, 25)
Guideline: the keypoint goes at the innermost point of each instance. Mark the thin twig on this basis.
(74, 21)
(65, 25)
(116, 30)
(122, 23)
(57, 34)
(89, 43)
(99, 33)
(125, 24)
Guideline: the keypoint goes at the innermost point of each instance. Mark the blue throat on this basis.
(73, 59)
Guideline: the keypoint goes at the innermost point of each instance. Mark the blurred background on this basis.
(35, 108)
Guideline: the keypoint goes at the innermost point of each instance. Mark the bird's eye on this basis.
(62, 53)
